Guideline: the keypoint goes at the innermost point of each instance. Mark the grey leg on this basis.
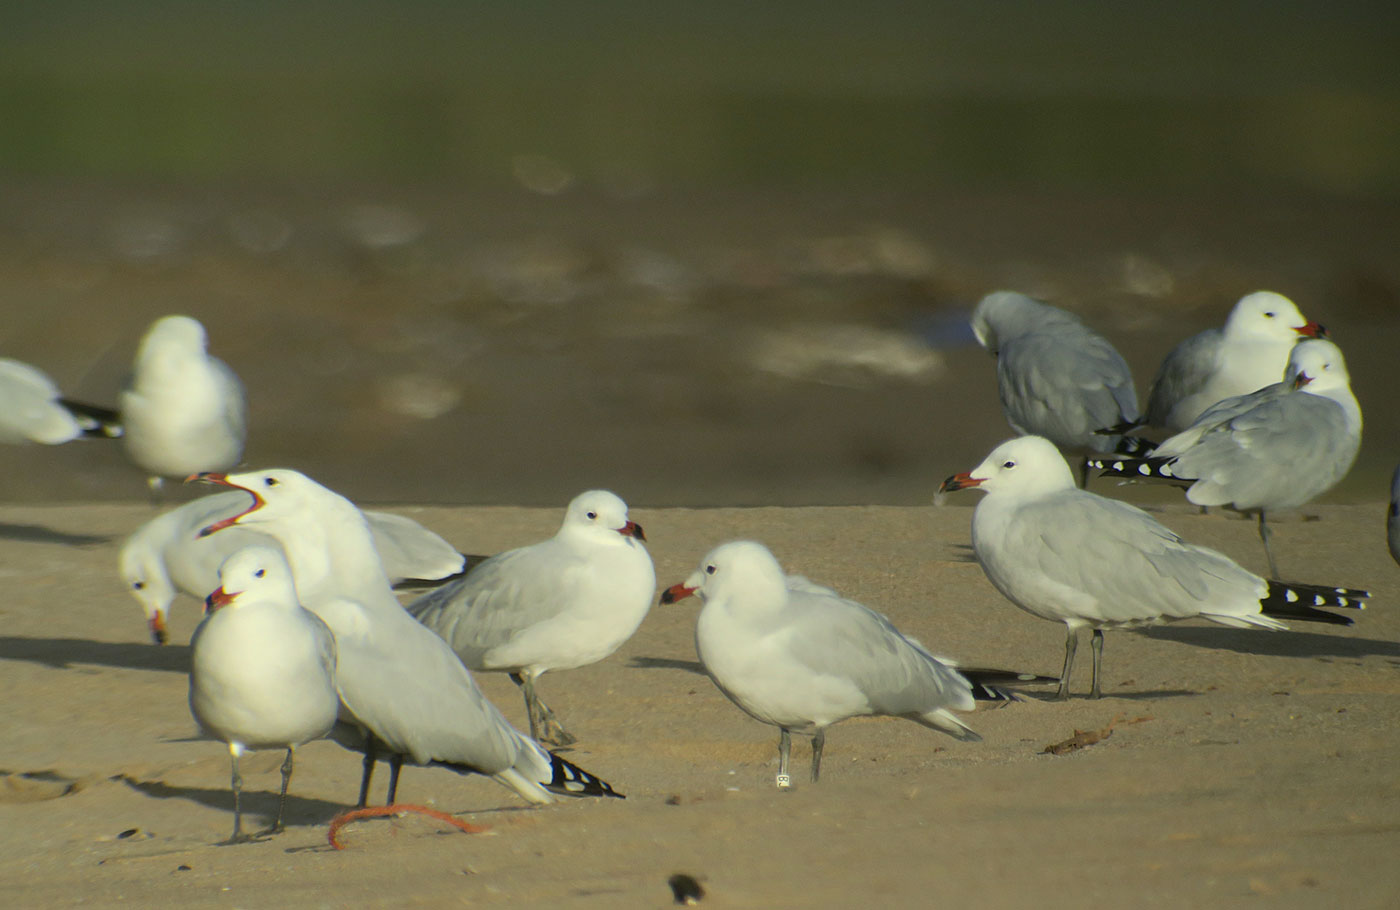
(554, 731)
(818, 741)
(282, 800)
(541, 716)
(370, 746)
(527, 686)
(1096, 643)
(784, 753)
(1071, 644)
(1264, 535)
(395, 765)
(236, 782)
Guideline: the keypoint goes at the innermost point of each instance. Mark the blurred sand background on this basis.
(472, 260)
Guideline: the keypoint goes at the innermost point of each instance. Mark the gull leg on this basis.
(784, 753)
(1264, 535)
(818, 741)
(1071, 644)
(527, 686)
(553, 731)
(395, 764)
(368, 770)
(1096, 643)
(282, 800)
(236, 783)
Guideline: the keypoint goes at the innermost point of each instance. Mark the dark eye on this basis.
(709, 570)
(270, 481)
(260, 573)
(592, 516)
(1008, 464)
(1268, 315)
(139, 585)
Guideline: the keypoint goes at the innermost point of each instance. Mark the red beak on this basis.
(217, 598)
(960, 482)
(632, 529)
(1301, 380)
(676, 592)
(158, 633)
(222, 479)
(1312, 330)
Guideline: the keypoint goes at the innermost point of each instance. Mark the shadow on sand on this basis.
(40, 534)
(65, 653)
(1277, 644)
(667, 663)
(257, 804)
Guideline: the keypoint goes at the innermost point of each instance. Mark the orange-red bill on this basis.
(217, 598)
(222, 480)
(632, 529)
(1312, 330)
(676, 592)
(959, 482)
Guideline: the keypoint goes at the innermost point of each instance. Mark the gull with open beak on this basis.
(262, 669)
(562, 603)
(403, 692)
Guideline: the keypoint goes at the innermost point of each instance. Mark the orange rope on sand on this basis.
(397, 809)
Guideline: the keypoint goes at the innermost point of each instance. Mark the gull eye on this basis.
(592, 516)
(1008, 465)
(1268, 315)
(138, 585)
(269, 481)
(709, 570)
(260, 573)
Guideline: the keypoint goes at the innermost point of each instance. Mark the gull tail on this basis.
(1134, 446)
(1148, 468)
(98, 422)
(571, 780)
(1290, 600)
(991, 685)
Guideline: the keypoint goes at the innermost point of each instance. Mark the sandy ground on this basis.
(1243, 767)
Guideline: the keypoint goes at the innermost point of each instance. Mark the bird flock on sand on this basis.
(304, 635)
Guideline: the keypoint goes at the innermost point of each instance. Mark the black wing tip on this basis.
(571, 780)
(94, 421)
(992, 685)
(1291, 600)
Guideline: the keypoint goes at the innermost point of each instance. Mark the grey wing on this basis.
(1218, 417)
(1065, 386)
(409, 550)
(1126, 566)
(840, 637)
(1280, 453)
(1183, 372)
(408, 689)
(498, 599)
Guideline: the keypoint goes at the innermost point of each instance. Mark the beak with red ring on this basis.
(222, 480)
(217, 598)
(962, 481)
(158, 633)
(1311, 330)
(676, 592)
(1301, 380)
(631, 529)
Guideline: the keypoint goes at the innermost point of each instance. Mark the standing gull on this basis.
(33, 410)
(165, 556)
(565, 602)
(803, 660)
(401, 687)
(261, 669)
(1055, 376)
(1276, 448)
(1249, 352)
(1071, 556)
(182, 411)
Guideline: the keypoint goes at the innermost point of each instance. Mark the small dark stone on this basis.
(673, 800)
(129, 832)
(182, 868)
(685, 888)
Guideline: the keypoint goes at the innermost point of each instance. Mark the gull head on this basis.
(740, 571)
(1269, 316)
(276, 492)
(260, 572)
(1025, 466)
(171, 333)
(600, 512)
(1317, 364)
(145, 577)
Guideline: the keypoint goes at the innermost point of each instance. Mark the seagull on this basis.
(182, 411)
(401, 687)
(262, 669)
(1071, 556)
(803, 660)
(33, 410)
(1275, 448)
(165, 557)
(1055, 376)
(1248, 353)
(562, 603)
